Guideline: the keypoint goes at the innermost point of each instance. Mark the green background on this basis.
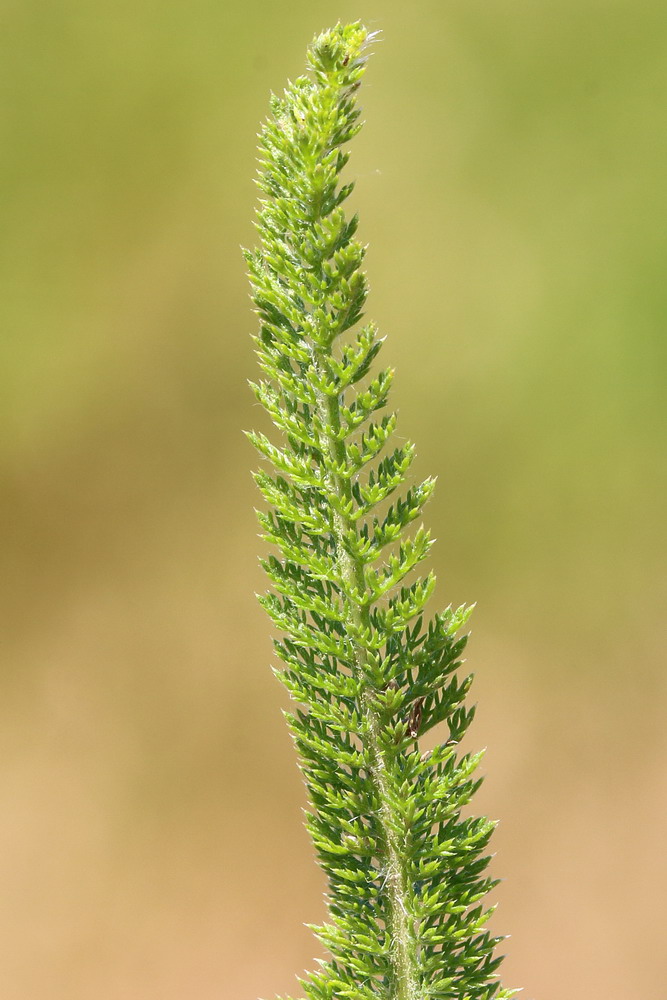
(510, 181)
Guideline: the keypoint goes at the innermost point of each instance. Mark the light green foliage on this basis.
(406, 872)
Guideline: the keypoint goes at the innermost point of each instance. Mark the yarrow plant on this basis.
(406, 871)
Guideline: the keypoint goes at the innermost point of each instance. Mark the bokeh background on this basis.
(511, 180)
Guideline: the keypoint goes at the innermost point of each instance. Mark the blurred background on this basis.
(511, 185)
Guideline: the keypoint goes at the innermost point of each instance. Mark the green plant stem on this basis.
(402, 944)
(405, 868)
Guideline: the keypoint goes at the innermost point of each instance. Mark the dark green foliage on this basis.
(406, 872)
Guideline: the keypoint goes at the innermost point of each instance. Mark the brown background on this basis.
(511, 185)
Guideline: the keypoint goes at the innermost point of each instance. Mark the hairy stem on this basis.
(402, 945)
